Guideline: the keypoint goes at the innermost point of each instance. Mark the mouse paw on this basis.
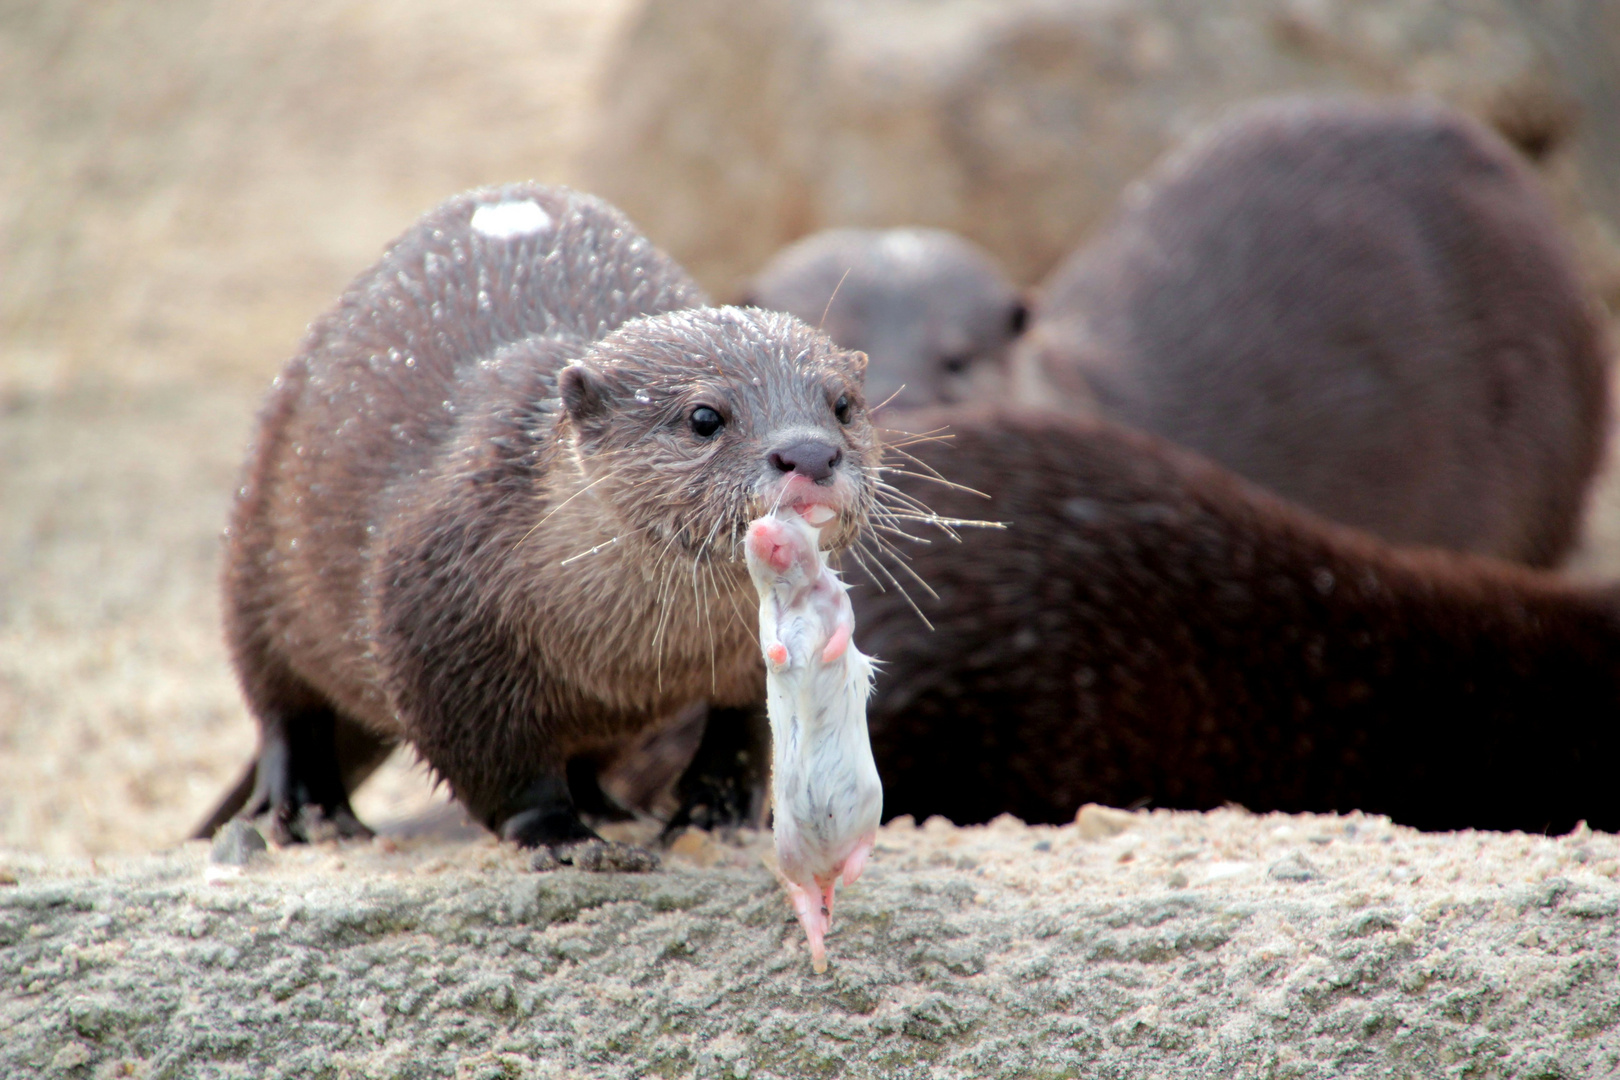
(857, 859)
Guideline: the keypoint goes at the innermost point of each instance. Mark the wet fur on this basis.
(476, 519)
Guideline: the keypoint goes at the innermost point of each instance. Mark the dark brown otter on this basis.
(1150, 628)
(1366, 307)
(934, 313)
(495, 509)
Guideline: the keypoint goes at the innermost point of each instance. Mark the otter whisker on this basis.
(899, 588)
(902, 534)
(911, 438)
(928, 474)
(823, 321)
(896, 505)
(893, 499)
(944, 524)
(549, 514)
(855, 550)
(916, 440)
(702, 563)
(890, 398)
(666, 582)
(904, 563)
(589, 551)
(701, 598)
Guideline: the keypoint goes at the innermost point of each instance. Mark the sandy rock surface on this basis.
(1126, 945)
(730, 127)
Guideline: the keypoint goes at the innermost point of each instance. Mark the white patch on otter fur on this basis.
(503, 221)
(824, 782)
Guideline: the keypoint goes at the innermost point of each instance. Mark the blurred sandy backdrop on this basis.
(183, 186)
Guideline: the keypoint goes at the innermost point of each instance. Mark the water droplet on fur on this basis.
(644, 397)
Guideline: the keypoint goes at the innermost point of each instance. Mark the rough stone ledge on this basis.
(1125, 945)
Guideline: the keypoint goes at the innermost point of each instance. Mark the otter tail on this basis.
(230, 805)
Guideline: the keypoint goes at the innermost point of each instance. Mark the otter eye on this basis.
(841, 408)
(955, 365)
(705, 422)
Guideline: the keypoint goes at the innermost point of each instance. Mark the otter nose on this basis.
(812, 459)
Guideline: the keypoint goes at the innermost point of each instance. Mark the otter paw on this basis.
(312, 824)
(596, 856)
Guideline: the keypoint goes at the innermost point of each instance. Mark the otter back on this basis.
(1367, 308)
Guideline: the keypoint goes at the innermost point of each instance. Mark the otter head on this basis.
(934, 311)
(688, 425)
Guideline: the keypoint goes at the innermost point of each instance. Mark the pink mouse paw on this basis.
(837, 643)
(857, 859)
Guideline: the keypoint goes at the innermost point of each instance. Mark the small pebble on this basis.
(1293, 867)
(1100, 822)
(237, 843)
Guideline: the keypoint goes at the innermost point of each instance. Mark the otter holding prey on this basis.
(496, 505)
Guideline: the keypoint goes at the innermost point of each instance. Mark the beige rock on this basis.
(727, 128)
(1096, 822)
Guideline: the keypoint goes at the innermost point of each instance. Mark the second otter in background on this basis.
(1151, 629)
(1366, 307)
(933, 312)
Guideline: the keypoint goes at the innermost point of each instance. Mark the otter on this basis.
(495, 509)
(1366, 307)
(934, 313)
(1152, 629)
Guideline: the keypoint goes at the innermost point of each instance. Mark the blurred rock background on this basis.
(730, 127)
(183, 186)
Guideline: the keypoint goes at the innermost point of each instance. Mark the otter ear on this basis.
(583, 391)
(857, 366)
